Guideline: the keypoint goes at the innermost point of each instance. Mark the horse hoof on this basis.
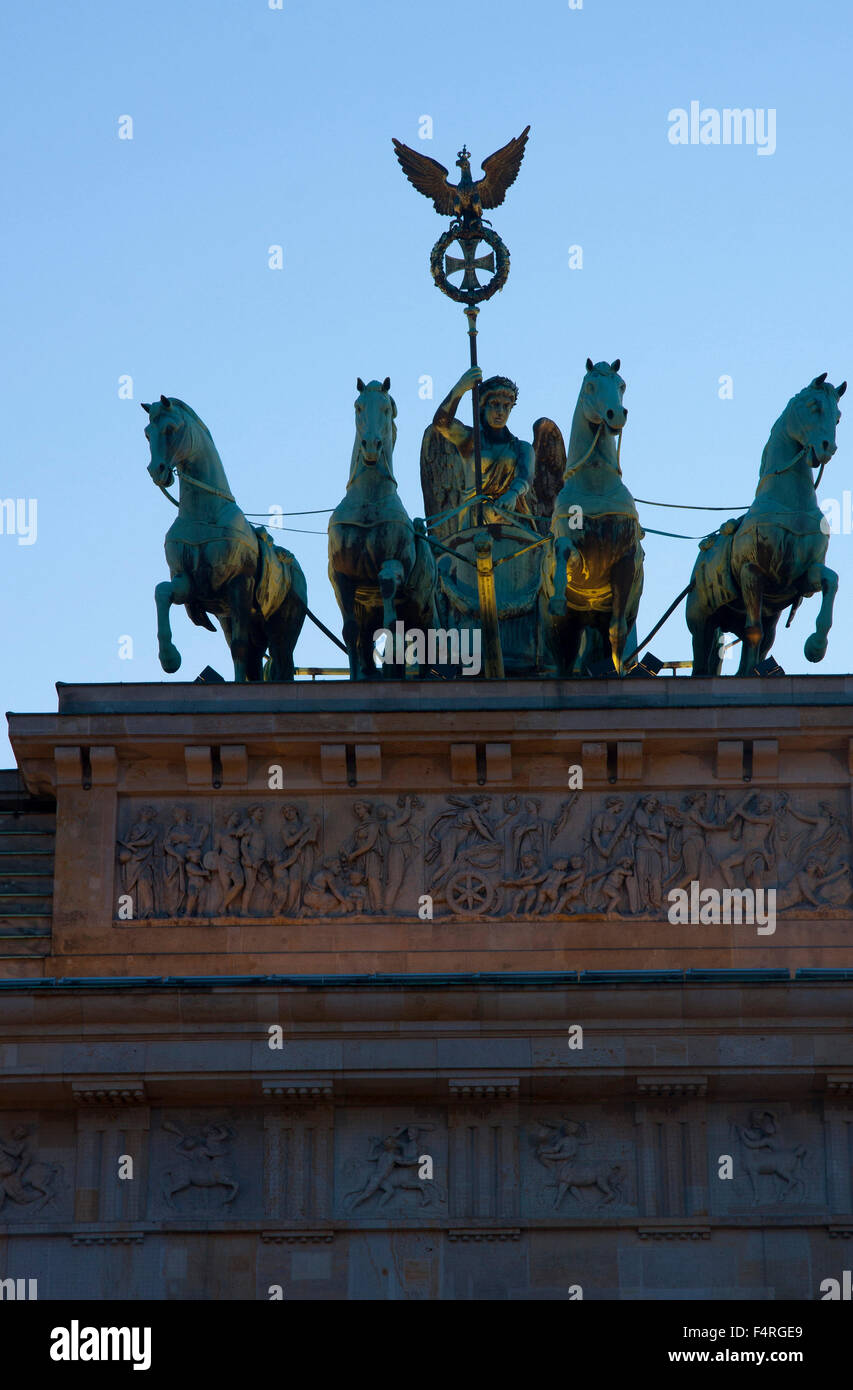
(815, 648)
(170, 659)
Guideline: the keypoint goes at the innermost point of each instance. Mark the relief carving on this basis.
(397, 1158)
(24, 1180)
(478, 856)
(557, 1147)
(136, 856)
(765, 1154)
(292, 869)
(203, 1161)
(179, 870)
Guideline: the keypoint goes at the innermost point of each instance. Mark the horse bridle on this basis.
(575, 466)
(807, 448)
(196, 482)
(383, 467)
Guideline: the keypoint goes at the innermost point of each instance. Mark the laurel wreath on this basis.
(439, 275)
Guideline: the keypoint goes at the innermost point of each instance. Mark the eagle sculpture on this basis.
(466, 199)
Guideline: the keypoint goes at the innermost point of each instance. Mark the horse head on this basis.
(375, 430)
(812, 417)
(601, 395)
(174, 435)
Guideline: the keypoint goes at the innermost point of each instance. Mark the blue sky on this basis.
(254, 127)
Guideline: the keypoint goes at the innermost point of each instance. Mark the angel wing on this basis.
(429, 177)
(500, 170)
(442, 480)
(549, 452)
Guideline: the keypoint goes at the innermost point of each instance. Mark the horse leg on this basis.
(363, 1194)
(819, 577)
(567, 564)
(751, 586)
(255, 660)
(621, 579)
(707, 650)
(283, 629)
(391, 577)
(769, 623)
(566, 641)
(171, 1188)
(753, 1180)
(367, 651)
(239, 602)
(344, 588)
(176, 590)
(706, 634)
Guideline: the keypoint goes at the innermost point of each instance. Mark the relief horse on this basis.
(771, 558)
(592, 571)
(202, 1162)
(380, 567)
(764, 1156)
(219, 563)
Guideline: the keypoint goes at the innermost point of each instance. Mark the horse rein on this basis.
(196, 482)
(575, 466)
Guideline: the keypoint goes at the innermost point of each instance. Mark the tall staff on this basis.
(464, 203)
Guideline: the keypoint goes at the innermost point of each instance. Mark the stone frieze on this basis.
(476, 856)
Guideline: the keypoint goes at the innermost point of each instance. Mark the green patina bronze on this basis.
(592, 573)
(219, 563)
(506, 462)
(537, 547)
(380, 567)
(756, 566)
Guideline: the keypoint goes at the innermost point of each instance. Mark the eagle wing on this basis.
(500, 170)
(428, 176)
(549, 451)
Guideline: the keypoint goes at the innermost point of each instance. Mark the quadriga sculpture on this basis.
(380, 567)
(756, 566)
(218, 561)
(592, 573)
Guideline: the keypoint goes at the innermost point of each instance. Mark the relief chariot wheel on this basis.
(469, 893)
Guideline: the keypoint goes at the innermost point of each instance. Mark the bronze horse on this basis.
(218, 561)
(592, 572)
(768, 560)
(380, 567)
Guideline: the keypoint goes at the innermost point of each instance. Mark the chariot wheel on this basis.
(469, 893)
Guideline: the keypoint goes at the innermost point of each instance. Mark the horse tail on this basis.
(198, 615)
